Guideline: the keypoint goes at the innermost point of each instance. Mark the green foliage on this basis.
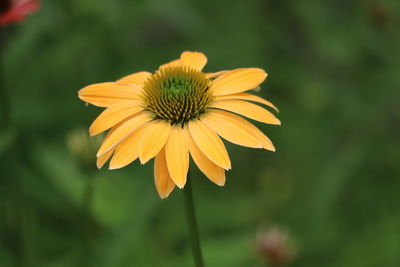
(333, 183)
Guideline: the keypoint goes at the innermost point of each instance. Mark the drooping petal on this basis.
(135, 78)
(113, 115)
(247, 109)
(195, 60)
(213, 172)
(209, 143)
(162, 179)
(265, 141)
(123, 131)
(249, 97)
(230, 129)
(128, 150)
(154, 138)
(177, 155)
(246, 126)
(103, 158)
(109, 93)
(238, 80)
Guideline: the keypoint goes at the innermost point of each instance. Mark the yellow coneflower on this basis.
(176, 111)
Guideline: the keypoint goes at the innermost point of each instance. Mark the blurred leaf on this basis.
(7, 139)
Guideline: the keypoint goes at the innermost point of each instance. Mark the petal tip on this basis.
(180, 185)
(92, 131)
(221, 183)
(113, 166)
(271, 148)
(143, 160)
(261, 71)
(275, 121)
(164, 195)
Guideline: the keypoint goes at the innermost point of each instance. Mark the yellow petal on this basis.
(154, 138)
(232, 130)
(175, 62)
(128, 150)
(213, 75)
(135, 78)
(265, 141)
(246, 126)
(213, 172)
(163, 181)
(114, 114)
(195, 60)
(103, 159)
(247, 109)
(177, 155)
(249, 97)
(238, 80)
(109, 93)
(120, 133)
(209, 143)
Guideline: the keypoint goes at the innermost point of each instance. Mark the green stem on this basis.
(192, 223)
(20, 207)
(87, 203)
(4, 97)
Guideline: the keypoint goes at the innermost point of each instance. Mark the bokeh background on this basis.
(332, 186)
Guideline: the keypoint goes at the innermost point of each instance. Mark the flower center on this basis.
(177, 94)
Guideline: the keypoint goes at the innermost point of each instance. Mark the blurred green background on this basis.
(333, 184)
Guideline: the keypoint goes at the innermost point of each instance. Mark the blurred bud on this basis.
(83, 147)
(380, 13)
(276, 246)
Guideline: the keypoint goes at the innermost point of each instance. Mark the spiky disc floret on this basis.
(177, 94)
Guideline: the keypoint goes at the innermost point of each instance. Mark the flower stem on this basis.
(4, 98)
(87, 203)
(192, 223)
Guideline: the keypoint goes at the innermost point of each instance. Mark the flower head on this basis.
(176, 111)
(13, 11)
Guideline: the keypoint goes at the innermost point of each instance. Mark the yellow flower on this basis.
(176, 111)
